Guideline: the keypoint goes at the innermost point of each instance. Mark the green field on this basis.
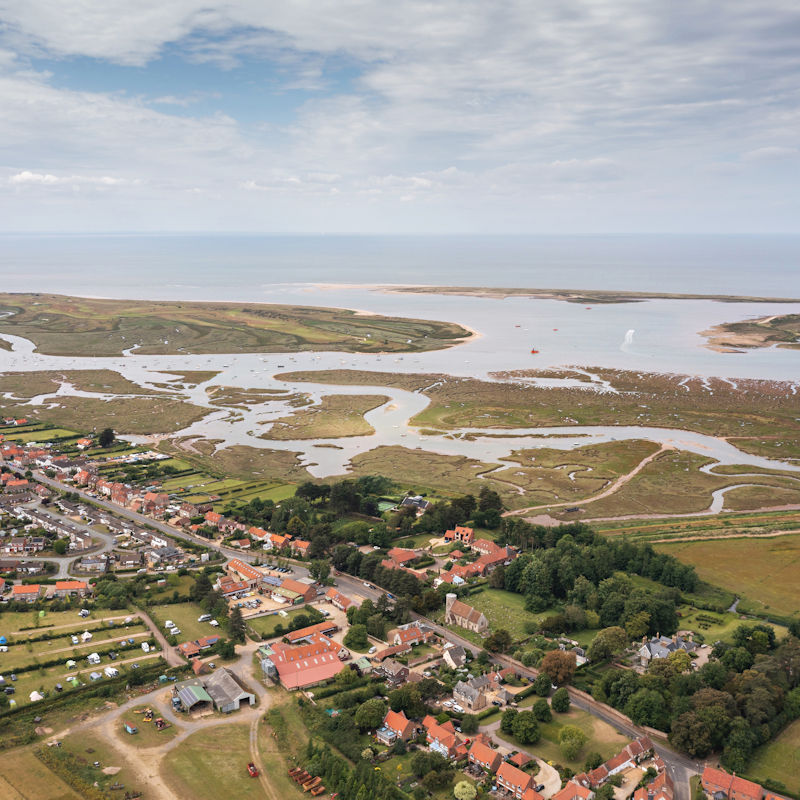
(503, 610)
(13, 622)
(184, 615)
(766, 571)
(266, 625)
(779, 759)
(212, 764)
(603, 739)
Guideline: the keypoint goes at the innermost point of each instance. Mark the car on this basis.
(372, 649)
(211, 665)
(426, 674)
(135, 665)
(13, 676)
(169, 624)
(496, 703)
(9, 690)
(448, 703)
(457, 708)
(75, 639)
(204, 618)
(365, 583)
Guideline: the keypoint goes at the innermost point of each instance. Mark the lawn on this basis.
(180, 583)
(266, 625)
(506, 610)
(184, 615)
(766, 571)
(16, 621)
(212, 764)
(603, 739)
(148, 735)
(23, 777)
(779, 759)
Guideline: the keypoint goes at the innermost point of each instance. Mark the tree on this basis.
(559, 666)
(560, 701)
(607, 643)
(680, 661)
(541, 710)
(319, 570)
(525, 728)
(469, 723)
(236, 627)
(60, 546)
(370, 714)
(367, 754)
(507, 720)
(356, 638)
(497, 579)
(647, 707)
(571, 739)
(464, 790)
(542, 685)
(499, 641)
(106, 437)
(593, 761)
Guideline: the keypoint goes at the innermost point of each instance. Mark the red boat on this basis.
(534, 351)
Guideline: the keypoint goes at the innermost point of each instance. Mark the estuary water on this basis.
(651, 336)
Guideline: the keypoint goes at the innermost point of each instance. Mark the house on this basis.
(193, 649)
(513, 780)
(395, 673)
(212, 518)
(417, 502)
(574, 791)
(242, 544)
(71, 589)
(300, 547)
(388, 652)
(638, 750)
(305, 590)
(443, 739)
(129, 560)
(720, 785)
(395, 726)
(455, 656)
(400, 556)
(338, 599)
(484, 757)
(458, 613)
(486, 546)
(307, 634)
(489, 561)
(662, 646)
(460, 534)
(303, 665)
(411, 634)
(660, 788)
(154, 502)
(98, 563)
(472, 697)
(244, 572)
(25, 593)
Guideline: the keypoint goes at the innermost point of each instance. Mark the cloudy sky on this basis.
(400, 116)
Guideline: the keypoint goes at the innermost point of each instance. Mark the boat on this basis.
(534, 351)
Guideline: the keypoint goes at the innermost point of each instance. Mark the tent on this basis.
(3, 640)
(34, 696)
(70, 664)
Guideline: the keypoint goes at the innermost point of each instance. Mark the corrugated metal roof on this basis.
(190, 695)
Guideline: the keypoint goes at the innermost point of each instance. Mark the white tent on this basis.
(86, 636)
(34, 696)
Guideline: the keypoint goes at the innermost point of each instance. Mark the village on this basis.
(494, 725)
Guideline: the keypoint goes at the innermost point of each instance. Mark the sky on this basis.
(401, 116)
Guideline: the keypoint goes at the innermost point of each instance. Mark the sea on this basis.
(245, 267)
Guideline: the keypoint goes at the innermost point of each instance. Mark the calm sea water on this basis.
(243, 267)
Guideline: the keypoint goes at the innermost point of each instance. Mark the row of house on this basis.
(721, 785)
(30, 593)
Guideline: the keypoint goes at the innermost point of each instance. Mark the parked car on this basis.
(9, 690)
(75, 639)
(213, 623)
(204, 618)
(372, 649)
(13, 676)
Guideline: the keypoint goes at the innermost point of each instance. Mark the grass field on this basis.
(503, 610)
(603, 739)
(184, 615)
(24, 777)
(88, 747)
(266, 625)
(336, 415)
(212, 764)
(779, 759)
(766, 571)
(148, 735)
(61, 325)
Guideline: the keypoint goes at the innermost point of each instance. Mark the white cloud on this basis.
(770, 154)
(28, 178)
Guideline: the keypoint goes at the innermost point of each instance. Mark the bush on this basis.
(541, 710)
(560, 701)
